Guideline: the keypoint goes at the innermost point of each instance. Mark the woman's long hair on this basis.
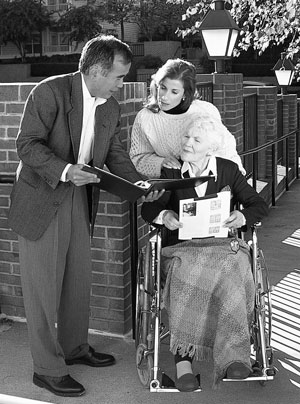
(174, 69)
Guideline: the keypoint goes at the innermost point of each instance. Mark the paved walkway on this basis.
(119, 384)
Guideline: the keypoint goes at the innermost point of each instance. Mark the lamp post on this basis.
(219, 33)
(284, 72)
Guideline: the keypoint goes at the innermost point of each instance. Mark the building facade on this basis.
(52, 42)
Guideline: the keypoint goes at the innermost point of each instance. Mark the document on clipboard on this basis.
(203, 217)
(127, 190)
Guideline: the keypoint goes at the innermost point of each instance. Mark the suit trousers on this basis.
(56, 282)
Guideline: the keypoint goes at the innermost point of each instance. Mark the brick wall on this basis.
(12, 99)
(111, 289)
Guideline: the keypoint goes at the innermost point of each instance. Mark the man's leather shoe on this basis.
(93, 358)
(61, 386)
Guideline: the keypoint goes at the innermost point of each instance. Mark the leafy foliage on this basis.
(120, 12)
(80, 23)
(263, 23)
(156, 20)
(20, 19)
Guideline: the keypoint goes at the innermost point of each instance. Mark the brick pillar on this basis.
(290, 124)
(111, 288)
(228, 98)
(267, 125)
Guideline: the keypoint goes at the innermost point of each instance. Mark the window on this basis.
(34, 46)
(58, 42)
(55, 5)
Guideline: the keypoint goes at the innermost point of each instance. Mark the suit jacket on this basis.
(48, 139)
(228, 174)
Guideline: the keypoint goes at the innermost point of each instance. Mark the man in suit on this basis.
(68, 121)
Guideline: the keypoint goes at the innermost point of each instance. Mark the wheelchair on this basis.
(150, 331)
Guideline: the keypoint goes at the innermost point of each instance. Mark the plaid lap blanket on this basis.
(209, 297)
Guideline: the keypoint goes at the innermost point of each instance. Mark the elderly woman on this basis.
(158, 127)
(209, 291)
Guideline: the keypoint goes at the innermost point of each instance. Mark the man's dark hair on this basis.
(102, 50)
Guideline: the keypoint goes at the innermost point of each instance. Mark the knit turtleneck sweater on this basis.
(158, 135)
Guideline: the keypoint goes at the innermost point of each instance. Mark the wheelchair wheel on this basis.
(263, 316)
(144, 295)
(144, 365)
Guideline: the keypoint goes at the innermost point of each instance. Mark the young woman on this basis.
(158, 127)
(209, 290)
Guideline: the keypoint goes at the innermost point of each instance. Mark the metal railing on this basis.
(138, 49)
(206, 91)
(272, 144)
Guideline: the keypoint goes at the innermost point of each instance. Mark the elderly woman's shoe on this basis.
(237, 370)
(186, 383)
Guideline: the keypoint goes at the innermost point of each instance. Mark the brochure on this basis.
(203, 217)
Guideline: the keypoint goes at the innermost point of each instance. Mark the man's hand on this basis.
(79, 177)
(235, 220)
(170, 220)
(152, 196)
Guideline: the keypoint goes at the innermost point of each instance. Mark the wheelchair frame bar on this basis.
(251, 379)
(155, 388)
(258, 300)
(157, 309)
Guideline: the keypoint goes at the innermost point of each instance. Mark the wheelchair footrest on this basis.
(166, 381)
(168, 385)
(251, 379)
(256, 375)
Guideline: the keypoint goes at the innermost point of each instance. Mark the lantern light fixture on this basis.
(284, 72)
(219, 33)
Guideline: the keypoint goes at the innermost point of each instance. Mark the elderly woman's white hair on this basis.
(208, 125)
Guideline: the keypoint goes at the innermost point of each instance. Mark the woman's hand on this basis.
(235, 220)
(170, 220)
(171, 162)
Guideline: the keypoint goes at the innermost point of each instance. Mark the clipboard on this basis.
(127, 190)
